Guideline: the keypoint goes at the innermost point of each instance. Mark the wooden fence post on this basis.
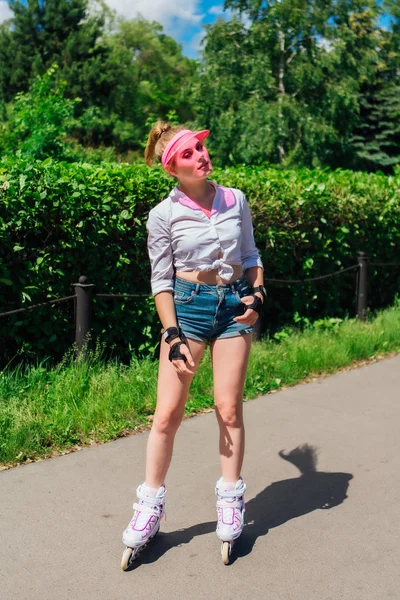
(362, 286)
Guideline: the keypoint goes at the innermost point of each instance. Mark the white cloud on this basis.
(5, 11)
(163, 11)
(193, 47)
(324, 43)
(177, 17)
(218, 9)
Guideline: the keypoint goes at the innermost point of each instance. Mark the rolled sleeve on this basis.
(249, 251)
(160, 253)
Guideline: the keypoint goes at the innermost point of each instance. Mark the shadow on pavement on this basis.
(276, 504)
(291, 498)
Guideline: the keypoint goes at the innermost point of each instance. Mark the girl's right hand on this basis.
(181, 367)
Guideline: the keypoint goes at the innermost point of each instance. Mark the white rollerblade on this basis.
(230, 509)
(144, 524)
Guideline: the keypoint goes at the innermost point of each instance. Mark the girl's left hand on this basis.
(250, 316)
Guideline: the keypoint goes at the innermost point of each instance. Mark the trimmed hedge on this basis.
(59, 221)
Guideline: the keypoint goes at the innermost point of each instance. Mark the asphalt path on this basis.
(322, 470)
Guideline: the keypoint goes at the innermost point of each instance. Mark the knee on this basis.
(167, 423)
(231, 415)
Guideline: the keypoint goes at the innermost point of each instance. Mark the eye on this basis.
(199, 146)
(187, 154)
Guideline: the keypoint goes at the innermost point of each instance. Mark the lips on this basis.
(204, 166)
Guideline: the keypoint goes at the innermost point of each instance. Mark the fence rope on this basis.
(123, 295)
(312, 278)
(352, 268)
(384, 264)
(18, 310)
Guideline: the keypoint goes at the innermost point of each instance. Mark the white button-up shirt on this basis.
(182, 238)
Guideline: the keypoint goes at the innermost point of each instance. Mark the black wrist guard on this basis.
(261, 289)
(256, 305)
(175, 353)
(172, 333)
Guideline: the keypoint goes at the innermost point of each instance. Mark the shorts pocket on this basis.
(242, 291)
(183, 296)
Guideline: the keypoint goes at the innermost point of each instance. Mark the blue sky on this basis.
(184, 20)
(190, 37)
(181, 19)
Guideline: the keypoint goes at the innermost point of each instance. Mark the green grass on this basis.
(45, 410)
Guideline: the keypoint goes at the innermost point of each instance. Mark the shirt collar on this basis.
(224, 198)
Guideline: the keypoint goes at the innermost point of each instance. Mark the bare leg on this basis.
(229, 358)
(171, 398)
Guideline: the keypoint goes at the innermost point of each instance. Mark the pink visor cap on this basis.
(178, 141)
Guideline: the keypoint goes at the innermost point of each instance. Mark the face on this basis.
(191, 162)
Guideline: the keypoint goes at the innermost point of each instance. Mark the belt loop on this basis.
(197, 290)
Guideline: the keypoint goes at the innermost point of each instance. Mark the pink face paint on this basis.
(192, 160)
(178, 142)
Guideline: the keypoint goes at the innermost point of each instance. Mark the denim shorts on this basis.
(206, 312)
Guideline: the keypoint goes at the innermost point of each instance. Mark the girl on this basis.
(207, 280)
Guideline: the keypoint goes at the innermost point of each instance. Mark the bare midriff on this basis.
(210, 277)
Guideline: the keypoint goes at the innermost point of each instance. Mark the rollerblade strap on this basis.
(149, 499)
(152, 510)
(238, 493)
(156, 511)
(221, 503)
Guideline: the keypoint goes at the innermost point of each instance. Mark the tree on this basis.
(286, 88)
(152, 70)
(63, 32)
(155, 70)
(123, 71)
(376, 138)
(39, 120)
